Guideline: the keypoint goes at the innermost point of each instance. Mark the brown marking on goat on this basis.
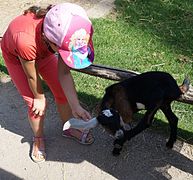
(109, 103)
(151, 113)
(121, 103)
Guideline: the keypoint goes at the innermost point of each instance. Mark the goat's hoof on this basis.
(169, 145)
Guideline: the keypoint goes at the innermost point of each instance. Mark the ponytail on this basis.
(38, 11)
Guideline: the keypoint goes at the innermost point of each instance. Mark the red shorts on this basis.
(47, 68)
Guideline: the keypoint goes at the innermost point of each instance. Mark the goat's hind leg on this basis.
(173, 123)
(144, 123)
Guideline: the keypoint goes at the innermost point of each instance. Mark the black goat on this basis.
(150, 91)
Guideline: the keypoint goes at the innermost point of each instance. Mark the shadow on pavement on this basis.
(7, 175)
(144, 157)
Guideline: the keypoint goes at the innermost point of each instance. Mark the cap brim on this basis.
(77, 60)
(77, 49)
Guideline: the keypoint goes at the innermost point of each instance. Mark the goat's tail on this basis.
(185, 85)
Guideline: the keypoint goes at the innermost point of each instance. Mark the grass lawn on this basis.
(143, 36)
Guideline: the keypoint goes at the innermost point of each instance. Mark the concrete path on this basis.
(143, 158)
(10, 8)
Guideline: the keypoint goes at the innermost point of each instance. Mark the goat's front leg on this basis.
(118, 145)
(144, 123)
(173, 122)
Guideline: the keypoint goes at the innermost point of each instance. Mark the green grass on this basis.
(142, 36)
(3, 69)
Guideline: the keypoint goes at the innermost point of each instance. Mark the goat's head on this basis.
(112, 122)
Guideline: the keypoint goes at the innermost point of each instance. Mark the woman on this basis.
(47, 43)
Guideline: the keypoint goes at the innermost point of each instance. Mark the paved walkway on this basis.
(66, 159)
(143, 158)
(10, 8)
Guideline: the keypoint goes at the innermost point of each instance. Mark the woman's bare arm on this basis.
(68, 86)
(35, 85)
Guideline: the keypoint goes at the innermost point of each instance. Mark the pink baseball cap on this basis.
(68, 26)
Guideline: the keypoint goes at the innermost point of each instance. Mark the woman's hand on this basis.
(39, 106)
(80, 113)
(34, 81)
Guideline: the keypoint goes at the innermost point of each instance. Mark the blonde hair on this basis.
(81, 33)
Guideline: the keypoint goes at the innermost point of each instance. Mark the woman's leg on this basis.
(48, 70)
(37, 126)
(64, 112)
(19, 79)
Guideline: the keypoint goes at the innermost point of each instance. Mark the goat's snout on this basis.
(119, 134)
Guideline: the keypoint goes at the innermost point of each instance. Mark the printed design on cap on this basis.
(79, 49)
